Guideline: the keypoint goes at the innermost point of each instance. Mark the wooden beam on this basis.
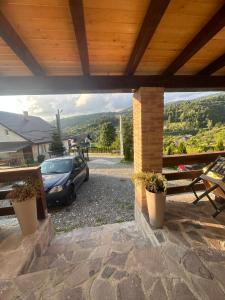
(151, 21)
(202, 38)
(99, 84)
(183, 175)
(77, 12)
(12, 39)
(6, 211)
(213, 66)
(184, 189)
(190, 159)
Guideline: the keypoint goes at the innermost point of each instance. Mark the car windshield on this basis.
(56, 166)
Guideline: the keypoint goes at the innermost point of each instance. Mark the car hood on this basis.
(50, 180)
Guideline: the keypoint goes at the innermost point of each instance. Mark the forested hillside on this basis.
(197, 113)
(92, 123)
(189, 126)
(195, 126)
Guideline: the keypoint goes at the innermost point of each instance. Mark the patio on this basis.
(185, 260)
(143, 47)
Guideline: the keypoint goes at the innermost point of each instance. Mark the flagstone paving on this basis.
(184, 261)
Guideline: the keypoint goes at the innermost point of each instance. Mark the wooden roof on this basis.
(161, 38)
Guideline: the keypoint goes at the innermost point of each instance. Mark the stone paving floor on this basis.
(116, 262)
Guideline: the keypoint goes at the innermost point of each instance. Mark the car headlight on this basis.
(56, 189)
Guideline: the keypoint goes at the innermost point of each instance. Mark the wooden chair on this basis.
(214, 179)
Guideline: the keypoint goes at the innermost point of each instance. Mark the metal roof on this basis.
(33, 129)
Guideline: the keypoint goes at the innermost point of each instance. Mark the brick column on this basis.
(148, 135)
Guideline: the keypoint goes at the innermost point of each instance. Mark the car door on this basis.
(76, 173)
(83, 172)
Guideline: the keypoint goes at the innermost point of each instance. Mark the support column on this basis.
(148, 105)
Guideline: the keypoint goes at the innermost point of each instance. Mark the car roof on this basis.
(62, 158)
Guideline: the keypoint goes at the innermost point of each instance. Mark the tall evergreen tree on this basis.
(56, 147)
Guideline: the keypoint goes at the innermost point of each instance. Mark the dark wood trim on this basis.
(184, 189)
(6, 211)
(151, 21)
(202, 38)
(214, 66)
(9, 35)
(77, 12)
(182, 175)
(189, 159)
(99, 84)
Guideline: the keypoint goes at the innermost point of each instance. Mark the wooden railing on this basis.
(19, 174)
(187, 159)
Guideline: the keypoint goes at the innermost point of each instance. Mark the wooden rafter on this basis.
(203, 37)
(12, 39)
(99, 84)
(77, 12)
(214, 66)
(152, 18)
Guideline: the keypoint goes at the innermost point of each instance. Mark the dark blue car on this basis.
(62, 177)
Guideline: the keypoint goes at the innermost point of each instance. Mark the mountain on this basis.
(198, 112)
(181, 117)
(91, 123)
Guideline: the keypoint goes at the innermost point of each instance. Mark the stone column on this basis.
(148, 104)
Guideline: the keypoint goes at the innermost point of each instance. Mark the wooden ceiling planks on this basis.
(13, 40)
(151, 21)
(10, 64)
(112, 28)
(206, 55)
(178, 26)
(214, 66)
(47, 29)
(212, 27)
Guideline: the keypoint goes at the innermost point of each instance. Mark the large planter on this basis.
(26, 213)
(156, 208)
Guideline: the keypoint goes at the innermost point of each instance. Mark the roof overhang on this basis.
(68, 46)
(96, 84)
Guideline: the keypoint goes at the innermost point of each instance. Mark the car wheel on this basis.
(71, 196)
(87, 175)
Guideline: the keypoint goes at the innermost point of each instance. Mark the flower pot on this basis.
(26, 213)
(156, 208)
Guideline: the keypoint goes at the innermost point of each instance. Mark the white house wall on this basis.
(40, 149)
(7, 135)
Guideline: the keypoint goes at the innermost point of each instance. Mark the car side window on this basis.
(76, 163)
(81, 162)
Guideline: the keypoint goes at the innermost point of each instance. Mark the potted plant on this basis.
(23, 198)
(155, 187)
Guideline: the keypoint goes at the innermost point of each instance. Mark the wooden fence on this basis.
(19, 174)
(187, 159)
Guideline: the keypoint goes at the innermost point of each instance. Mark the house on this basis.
(23, 137)
(81, 140)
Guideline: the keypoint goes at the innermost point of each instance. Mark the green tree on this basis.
(219, 145)
(128, 139)
(107, 134)
(116, 143)
(56, 147)
(182, 148)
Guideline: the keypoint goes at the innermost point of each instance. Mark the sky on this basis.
(46, 106)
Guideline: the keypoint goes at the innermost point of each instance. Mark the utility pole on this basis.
(58, 123)
(121, 136)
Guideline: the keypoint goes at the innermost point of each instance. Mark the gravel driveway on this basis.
(108, 197)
